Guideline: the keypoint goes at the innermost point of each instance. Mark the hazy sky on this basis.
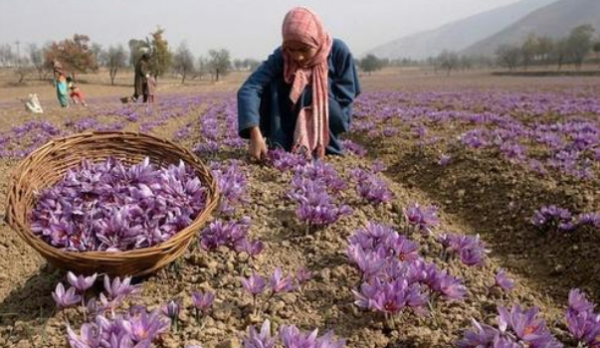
(248, 28)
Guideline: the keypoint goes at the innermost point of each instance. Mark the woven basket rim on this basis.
(185, 235)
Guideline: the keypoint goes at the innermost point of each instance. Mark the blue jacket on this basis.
(263, 100)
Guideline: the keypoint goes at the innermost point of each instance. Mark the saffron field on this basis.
(466, 213)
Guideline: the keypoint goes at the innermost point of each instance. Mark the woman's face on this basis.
(301, 53)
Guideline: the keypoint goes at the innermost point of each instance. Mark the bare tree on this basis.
(183, 62)
(508, 56)
(561, 52)
(23, 68)
(7, 56)
(529, 50)
(116, 59)
(596, 50)
(219, 62)
(36, 58)
(202, 68)
(97, 51)
(448, 61)
(545, 47)
(580, 43)
(370, 63)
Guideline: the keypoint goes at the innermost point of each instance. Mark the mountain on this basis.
(555, 20)
(460, 34)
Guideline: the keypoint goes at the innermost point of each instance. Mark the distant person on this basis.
(60, 83)
(76, 94)
(300, 99)
(151, 88)
(142, 74)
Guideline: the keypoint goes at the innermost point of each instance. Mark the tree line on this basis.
(580, 46)
(79, 55)
(536, 50)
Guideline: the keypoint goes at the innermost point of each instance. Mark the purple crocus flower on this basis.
(280, 283)
(552, 216)
(480, 336)
(526, 326)
(390, 298)
(260, 340)
(231, 234)
(503, 282)
(146, 326)
(251, 248)
(255, 284)
(591, 219)
(291, 337)
(448, 286)
(579, 303)
(444, 160)
(369, 263)
(284, 161)
(374, 190)
(424, 218)
(517, 328)
(203, 301)
(172, 308)
(584, 327)
(90, 336)
(81, 283)
(470, 248)
(303, 275)
(119, 289)
(327, 341)
(65, 299)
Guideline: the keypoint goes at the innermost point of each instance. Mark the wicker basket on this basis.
(47, 165)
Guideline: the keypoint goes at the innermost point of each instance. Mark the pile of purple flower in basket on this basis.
(110, 206)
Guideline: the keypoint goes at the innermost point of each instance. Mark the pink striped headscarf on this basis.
(312, 126)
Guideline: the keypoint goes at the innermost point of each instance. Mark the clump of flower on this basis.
(109, 206)
(284, 161)
(316, 207)
(322, 172)
(583, 322)
(588, 219)
(421, 218)
(502, 281)
(232, 234)
(203, 302)
(513, 152)
(277, 283)
(477, 138)
(289, 337)
(555, 218)
(516, 328)
(232, 185)
(355, 148)
(394, 277)
(470, 249)
(371, 187)
(550, 217)
(108, 327)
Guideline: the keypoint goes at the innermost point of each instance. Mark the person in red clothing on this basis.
(75, 93)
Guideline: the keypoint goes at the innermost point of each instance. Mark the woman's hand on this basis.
(258, 148)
